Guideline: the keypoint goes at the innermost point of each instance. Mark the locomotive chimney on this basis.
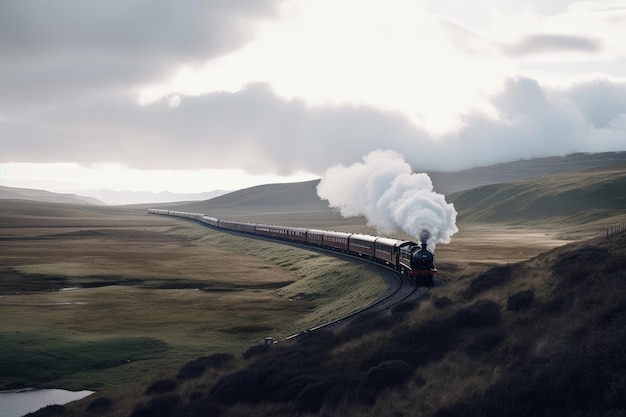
(424, 244)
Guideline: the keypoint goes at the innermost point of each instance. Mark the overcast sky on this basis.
(196, 95)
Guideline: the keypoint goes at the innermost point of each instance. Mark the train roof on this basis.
(389, 241)
(337, 234)
(366, 238)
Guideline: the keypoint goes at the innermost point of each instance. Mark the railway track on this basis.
(404, 290)
(400, 288)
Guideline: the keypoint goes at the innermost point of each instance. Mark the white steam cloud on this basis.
(385, 190)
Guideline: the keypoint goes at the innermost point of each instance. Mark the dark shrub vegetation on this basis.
(171, 405)
(196, 367)
(166, 406)
(489, 279)
(405, 307)
(557, 305)
(577, 265)
(100, 404)
(313, 395)
(322, 340)
(612, 314)
(161, 386)
(417, 345)
(302, 374)
(49, 411)
(441, 302)
(367, 323)
(480, 314)
(580, 382)
(387, 374)
(520, 300)
(282, 374)
(485, 341)
(256, 350)
(200, 406)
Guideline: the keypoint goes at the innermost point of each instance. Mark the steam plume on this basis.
(385, 190)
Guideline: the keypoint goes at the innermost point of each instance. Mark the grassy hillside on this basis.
(542, 337)
(451, 182)
(10, 193)
(270, 198)
(578, 197)
(543, 182)
(102, 297)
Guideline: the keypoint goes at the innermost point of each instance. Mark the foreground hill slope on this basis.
(543, 337)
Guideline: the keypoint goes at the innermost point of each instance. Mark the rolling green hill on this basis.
(587, 195)
(580, 196)
(301, 196)
(452, 182)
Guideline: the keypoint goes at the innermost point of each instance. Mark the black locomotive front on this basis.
(422, 259)
(418, 262)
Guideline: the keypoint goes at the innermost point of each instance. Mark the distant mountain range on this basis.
(10, 193)
(147, 197)
(104, 197)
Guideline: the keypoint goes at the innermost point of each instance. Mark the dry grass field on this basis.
(94, 298)
(168, 291)
(154, 292)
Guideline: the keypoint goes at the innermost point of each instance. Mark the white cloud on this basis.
(390, 55)
(279, 87)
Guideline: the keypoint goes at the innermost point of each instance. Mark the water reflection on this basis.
(17, 403)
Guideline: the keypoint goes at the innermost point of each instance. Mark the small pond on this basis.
(17, 403)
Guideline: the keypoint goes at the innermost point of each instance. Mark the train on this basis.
(413, 260)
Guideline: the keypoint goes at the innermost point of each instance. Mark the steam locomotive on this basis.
(415, 261)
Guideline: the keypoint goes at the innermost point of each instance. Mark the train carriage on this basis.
(248, 227)
(237, 226)
(362, 245)
(297, 234)
(213, 221)
(386, 250)
(315, 237)
(263, 230)
(337, 240)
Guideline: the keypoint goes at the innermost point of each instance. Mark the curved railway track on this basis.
(400, 288)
